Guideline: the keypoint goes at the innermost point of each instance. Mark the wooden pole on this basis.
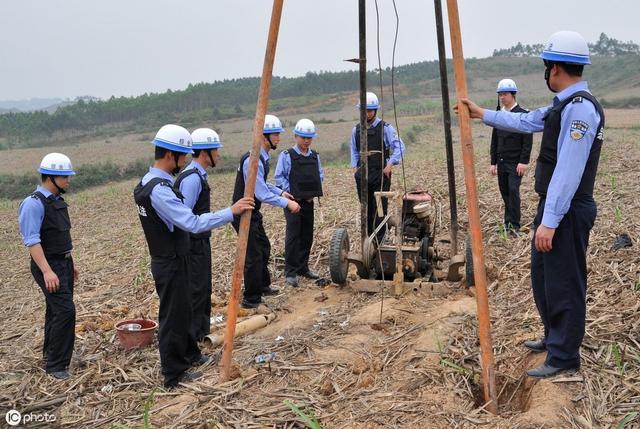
(249, 189)
(484, 322)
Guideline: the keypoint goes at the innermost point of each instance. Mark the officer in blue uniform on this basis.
(572, 137)
(510, 154)
(257, 280)
(166, 222)
(193, 185)
(385, 151)
(45, 229)
(299, 172)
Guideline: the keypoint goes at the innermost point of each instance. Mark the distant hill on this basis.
(29, 105)
(615, 79)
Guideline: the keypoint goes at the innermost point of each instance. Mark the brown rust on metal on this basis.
(249, 190)
(484, 322)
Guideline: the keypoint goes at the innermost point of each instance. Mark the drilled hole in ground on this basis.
(514, 394)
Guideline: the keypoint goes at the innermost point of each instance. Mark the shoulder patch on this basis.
(576, 100)
(578, 129)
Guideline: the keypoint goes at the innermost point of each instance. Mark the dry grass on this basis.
(417, 367)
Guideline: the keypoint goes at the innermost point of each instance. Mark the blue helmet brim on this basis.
(207, 145)
(507, 90)
(56, 172)
(565, 57)
(273, 131)
(170, 146)
(303, 134)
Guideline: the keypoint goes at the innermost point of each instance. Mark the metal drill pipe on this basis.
(364, 174)
(446, 116)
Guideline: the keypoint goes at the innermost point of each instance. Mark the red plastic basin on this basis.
(139, 338)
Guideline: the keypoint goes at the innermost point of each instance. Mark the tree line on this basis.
(605, 46)
(233, 98)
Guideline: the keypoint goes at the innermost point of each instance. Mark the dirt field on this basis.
(352, 360)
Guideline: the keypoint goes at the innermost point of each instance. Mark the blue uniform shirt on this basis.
(265, 191)
(172, 211)
(30, 217)
(572, 154)
(191, 186)
(391, 142)
(283, 168)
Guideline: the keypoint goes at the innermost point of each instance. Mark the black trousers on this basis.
(559, 281)
(256, 264)
(377, 181)
(60, 315)
(509, 184)
(178, 346)
(298, 239)
(200, 260)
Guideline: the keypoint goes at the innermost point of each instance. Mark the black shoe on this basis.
(270, 291)
(292, 281)
(311, 275)
(187, 377)
(60, 375)
(250, 304)
(535, 345)
(207, 360)
(545, 371)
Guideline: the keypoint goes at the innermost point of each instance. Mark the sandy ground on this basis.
(352, 360)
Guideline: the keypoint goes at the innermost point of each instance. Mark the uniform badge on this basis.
(578, 129)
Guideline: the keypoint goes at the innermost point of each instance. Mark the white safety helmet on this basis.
(305, 128)
(205, 138)
(56, 164)
(372, 102)
(272, 125)
(566, 47)
(174, 138)
(506, 85)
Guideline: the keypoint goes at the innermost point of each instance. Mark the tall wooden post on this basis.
(249, 189)
(484, 321)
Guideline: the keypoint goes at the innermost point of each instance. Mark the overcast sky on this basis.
(67, 48)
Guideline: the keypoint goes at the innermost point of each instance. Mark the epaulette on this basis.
(576, 100)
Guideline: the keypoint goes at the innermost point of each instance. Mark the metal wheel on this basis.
(338, 252)
(368, 259)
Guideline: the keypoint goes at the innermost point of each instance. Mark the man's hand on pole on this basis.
(475, 111)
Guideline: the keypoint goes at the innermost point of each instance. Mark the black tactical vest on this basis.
(238, 189)
(374, 143)
(203, 203)
(547, 158)
(55, 232)
(162, 242)
(510, 144)
(304, 177)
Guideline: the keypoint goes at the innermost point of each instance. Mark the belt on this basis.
(59, 256)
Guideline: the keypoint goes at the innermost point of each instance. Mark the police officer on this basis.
(45, 229)
(572, 136)
(385, 150)
(299, 172)
(510, 156)
(257, 280)
(193, 185)
(166, 222)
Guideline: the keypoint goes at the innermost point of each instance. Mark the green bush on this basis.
(18, 186)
